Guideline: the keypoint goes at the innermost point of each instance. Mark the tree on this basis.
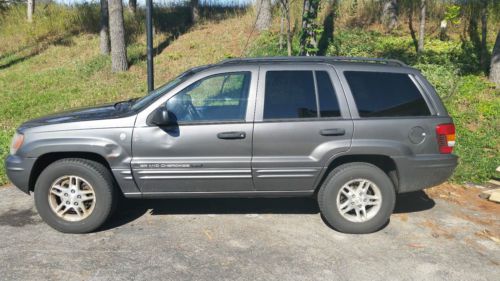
(390, 14)
(195, 11)
(310, 29)
(30, 10)
(104, 32)
(421, 30)
(264, 14)
(132, 6)
(285, 14)
(117, 32)
(495, 63)
(484, 34)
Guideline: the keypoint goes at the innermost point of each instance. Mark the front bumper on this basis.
(19, 170)
(419, 172)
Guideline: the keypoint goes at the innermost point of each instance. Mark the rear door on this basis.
(301, 121)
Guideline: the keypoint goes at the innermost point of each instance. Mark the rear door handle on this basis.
(231, 135)
(332, 132)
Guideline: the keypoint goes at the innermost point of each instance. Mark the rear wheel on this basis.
(357, 198)
(75, 195)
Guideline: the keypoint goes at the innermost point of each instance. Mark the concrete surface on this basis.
(245, 239)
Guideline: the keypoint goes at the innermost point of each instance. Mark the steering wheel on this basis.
(183, 108)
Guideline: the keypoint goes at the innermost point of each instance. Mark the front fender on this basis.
(112, 144)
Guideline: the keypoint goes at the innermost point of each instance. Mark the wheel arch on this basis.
(384, 162)
(46, 159)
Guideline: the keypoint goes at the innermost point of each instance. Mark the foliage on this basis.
(453, 70)
(452, 14)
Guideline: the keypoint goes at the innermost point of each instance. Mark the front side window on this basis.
(379, 94)
(221, 97)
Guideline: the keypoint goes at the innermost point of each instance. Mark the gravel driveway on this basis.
(247, 239)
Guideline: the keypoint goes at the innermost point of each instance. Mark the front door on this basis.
(209, 147)
(301, 121)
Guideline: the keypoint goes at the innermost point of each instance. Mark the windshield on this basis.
(154, 95)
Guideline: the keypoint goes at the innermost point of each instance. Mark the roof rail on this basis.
(314, 59)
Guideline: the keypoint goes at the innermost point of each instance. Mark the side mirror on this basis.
(160, 117)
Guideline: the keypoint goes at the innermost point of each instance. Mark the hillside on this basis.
(61, 68)
(72, 73)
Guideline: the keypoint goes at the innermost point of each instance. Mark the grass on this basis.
(36, 81)
(53, 66)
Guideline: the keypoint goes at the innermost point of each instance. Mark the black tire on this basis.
(327, 197)
(97, 175)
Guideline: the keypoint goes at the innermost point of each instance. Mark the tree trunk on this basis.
(132, 6)
(264, 16)
(117, 32)
(282, 31)
(104, 32)
(443, 29)
(195, 11)
(390, 14)
(412, 29)
(308, 40)
(484, 34)
(495, 63)
(421, 30)
(30, 10)
(286, 10)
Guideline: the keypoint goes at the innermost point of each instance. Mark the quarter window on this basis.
(379, 94)
(328, 104)
(219, 97)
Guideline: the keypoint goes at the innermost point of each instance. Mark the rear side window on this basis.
(379, 94)
(292, 95)
(289, 94)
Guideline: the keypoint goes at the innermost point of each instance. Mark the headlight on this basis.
(17, 142)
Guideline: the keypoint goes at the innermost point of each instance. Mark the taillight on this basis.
(446, 137)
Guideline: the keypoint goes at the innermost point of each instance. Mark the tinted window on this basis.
(385, 94)
(215, 98)
(289, 94)
(329, 107)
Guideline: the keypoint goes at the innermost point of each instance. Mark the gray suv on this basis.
(352, 132)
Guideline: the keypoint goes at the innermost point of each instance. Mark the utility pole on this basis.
(149, 34)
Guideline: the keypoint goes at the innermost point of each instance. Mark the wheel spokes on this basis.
(72, 198)
(359, 200)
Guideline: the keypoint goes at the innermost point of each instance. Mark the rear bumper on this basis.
(18, 171)
(419, 172)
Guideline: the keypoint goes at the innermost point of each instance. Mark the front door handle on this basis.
(332, 132)
(231, 135)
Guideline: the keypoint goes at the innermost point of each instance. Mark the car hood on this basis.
(102, 112)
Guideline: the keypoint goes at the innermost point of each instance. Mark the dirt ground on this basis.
(475, 208)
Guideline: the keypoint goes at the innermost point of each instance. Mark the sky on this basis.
(163, 2)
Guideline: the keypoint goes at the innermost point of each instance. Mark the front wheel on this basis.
(75, 195)
(357, 198)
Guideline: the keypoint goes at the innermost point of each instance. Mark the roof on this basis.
(322, 59)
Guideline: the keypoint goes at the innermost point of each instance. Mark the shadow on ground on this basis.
(131, 209)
